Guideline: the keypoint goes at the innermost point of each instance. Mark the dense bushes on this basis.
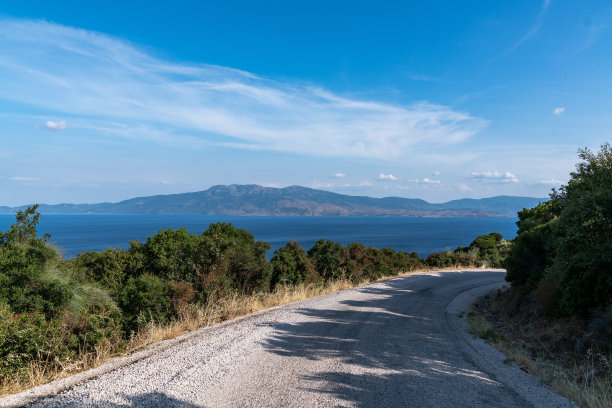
(46, 314)
(486, 250)
(290, 266)
(564, 246)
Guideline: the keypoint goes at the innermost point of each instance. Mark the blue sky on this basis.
(439, 100)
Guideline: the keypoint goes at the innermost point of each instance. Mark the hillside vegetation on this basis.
(556, 320)
(59, 316)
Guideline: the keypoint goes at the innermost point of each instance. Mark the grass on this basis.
(586, 380)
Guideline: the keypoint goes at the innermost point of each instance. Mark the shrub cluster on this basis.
(486, 250)
(564, 246)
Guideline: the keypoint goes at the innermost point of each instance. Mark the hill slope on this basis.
(293, 200)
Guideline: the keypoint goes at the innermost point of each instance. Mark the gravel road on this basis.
(397, 343)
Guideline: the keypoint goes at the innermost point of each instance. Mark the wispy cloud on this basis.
(594, 29)
(429, 181)
(51, 125)
(97, 78)
(551, 182)
(558, 111)
(494, 177)
(535, 27)
(24, 178)
(337, 175)
(387, 177)
(316, 184)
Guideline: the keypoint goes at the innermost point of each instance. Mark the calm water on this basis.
(81, 232)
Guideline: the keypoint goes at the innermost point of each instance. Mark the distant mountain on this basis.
(293, 200)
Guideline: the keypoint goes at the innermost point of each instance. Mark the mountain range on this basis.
(293, 201)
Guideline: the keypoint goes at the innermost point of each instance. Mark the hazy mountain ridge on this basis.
(293, 201)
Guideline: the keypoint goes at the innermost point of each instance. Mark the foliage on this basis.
(329, 258)
(229, 258)
(564, 246)
(290, 265)
(585, 233)
(169, 255)
(145, 299)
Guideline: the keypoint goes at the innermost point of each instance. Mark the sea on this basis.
(73, 233)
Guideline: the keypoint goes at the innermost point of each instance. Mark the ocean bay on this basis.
(73, 233)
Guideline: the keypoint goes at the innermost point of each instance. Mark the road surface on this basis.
(395, 343)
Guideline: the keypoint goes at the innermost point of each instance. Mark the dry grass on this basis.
(586, 379)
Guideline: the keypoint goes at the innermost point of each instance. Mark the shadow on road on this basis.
(153, 399)
(392, 348)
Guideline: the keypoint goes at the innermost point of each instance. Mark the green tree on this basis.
(229, 258)
(290, 265)
(584, 253)
(329, 259)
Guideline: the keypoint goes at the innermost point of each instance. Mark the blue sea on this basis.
(81, 232)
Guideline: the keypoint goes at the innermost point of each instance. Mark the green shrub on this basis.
(439, 260)
(290, 265)
(229, 259)
(145, 299)
(169, 255)
(572, 236)
(27, 337)
(329, 259)
(107, 267)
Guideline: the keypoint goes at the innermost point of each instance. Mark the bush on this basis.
(440, 260)
(229, 259)
(169, 255)
(107, 267)
(572, 236)
(290, 265)
(329, 259)
(145, 299)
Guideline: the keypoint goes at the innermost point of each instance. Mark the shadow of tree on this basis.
(152, 399)
(393, 347)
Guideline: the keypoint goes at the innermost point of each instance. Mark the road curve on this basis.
(395, 343)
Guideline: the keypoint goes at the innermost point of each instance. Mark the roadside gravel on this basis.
(390, 344)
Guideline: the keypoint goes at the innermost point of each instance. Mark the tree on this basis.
(290, 265)
(565, 244)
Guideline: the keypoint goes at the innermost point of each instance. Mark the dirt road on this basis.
(396, 343)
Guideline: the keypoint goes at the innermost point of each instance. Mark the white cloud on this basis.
(436, 173)
(430, 181)
(316, 184)
(51, 125)
(551, 182)
(463, 187)
(387, 177)
(23, 178)
(365, 183)
(337, 175)
(558, 111)
(494, 177)
(99, 78)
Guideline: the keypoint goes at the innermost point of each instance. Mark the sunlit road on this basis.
(390, 344)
